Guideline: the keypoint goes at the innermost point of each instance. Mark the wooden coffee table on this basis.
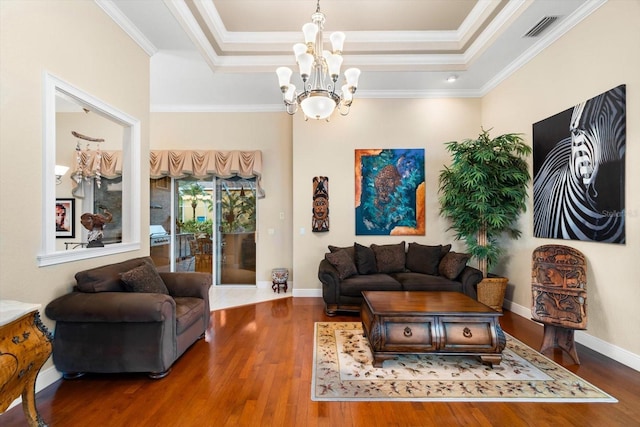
(449, 323)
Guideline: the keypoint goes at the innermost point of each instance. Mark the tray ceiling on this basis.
(221, 55)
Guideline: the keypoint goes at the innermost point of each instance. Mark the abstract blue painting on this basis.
(389, 191)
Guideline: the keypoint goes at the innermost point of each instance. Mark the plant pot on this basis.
(491, 291)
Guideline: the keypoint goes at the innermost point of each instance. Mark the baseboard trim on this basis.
(605, 348)
(307, 293)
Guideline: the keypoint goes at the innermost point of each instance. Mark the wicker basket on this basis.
(491, 291)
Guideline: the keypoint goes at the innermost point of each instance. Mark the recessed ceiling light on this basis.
(452, 78)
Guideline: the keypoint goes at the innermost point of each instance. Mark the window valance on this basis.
(173, 163)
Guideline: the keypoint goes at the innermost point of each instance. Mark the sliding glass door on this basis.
(207, 226)
(236, 231)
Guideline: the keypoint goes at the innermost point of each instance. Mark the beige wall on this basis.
(78, 43)
(267, 132)
(327, 149)
(599, 54)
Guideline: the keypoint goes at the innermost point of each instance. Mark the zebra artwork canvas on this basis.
(578, 169)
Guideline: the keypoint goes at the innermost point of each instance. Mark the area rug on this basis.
(343, 371)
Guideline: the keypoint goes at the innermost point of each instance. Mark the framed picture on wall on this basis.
(390, 192)
(65, 218)
(579, 171)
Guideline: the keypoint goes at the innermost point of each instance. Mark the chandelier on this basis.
(319, 71)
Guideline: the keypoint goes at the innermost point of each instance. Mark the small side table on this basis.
(279, 277)
(25, 344)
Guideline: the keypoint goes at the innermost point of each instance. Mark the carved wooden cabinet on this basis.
(25, 344)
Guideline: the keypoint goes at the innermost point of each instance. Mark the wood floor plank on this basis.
(254, 369)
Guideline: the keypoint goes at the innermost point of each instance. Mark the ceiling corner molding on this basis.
(408, 61)
(419, 94)
(494, 27)
(185, 18)
(472, 20)
(127, 26)
(210, 14)
(563, 26)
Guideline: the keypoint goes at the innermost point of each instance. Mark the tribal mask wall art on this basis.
(320, 218)
(578, 169)
(390, 192)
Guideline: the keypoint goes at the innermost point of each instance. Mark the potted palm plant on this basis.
(482, 193)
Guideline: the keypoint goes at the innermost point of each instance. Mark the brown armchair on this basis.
(105, 326)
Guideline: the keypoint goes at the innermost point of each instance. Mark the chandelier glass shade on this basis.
(319, 70)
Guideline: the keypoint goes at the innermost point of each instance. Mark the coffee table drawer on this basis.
(417, 334)
(466, 334)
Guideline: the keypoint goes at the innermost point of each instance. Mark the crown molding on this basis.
(211, 108)
(376, 39)
(185, 18)
(277, 108)
(554, 34)
(125, 23)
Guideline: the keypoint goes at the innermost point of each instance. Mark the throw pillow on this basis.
(452, 264)
(389, 258)
(365, 259)
(423, 259)
(144, 278)
(349, 250)
(445, 250)
(342, 261)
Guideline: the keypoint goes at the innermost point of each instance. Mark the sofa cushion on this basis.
(423, 282)
(343, 263)
(445, 250)
(188, 311)
(349, 249)
(354, 285)
(144, 278)
(365, 259)
(423, 258)
(452, 264)
(107, 277)
(389, 258)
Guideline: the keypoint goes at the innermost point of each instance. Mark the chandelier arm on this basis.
(344, 108)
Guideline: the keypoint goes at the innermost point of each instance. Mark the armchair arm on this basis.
(470, 277)
(188, 284)
(112, 307)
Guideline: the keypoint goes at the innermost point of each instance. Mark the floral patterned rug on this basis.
(343, 371)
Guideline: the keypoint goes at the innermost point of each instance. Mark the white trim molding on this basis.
(596, 344)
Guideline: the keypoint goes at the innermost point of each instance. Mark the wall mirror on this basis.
(91, 155)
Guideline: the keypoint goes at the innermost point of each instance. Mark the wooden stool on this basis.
(558, 285)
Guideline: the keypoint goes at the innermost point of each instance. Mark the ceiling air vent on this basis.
(542, 25)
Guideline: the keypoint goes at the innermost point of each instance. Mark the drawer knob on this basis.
(466, 332)
(407, 332)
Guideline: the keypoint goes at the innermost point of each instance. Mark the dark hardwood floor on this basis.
(254, 369)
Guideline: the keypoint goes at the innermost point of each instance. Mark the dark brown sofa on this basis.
(347, 271)
(127, 317)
